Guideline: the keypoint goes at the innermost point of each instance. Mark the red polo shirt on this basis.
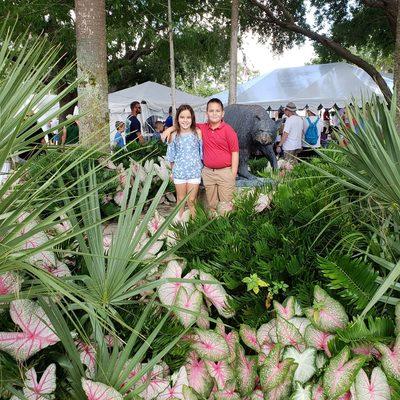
(218, 145)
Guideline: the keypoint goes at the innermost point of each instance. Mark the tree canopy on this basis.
(137, 36)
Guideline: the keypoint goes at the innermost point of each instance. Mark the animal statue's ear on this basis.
(258, 117)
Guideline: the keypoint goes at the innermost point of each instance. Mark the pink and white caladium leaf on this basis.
(36, 330)
(228, 393)
(365, 349)
(231, 338)
(346, 396)
(286, 310)
(305, 361)
(156, 383)
(273, 372)
(58, 270)
(155, 223)
(283, 390)
(203, 321)
(246, 372)
(63, 226)
(221, 372)
(301, 393)
(300, 323)
(341, 373)
(210, 346)
(99, 391)
(265, 350)
(318, 392)
(10, 282)
(327, 314)
(375, 389)
(118, 197)
(390, 358)
(190, 306)
(198, 377)
(288, 334)
(267, 333)
(263, 202)
(257, 395)
(189, 393)
(216, 294)
(87, 354)
(318, 339)
(249, 337)
(179, 379)
(43, 389)
(168, 291)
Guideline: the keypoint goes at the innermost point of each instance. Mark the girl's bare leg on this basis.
(193, 190)
(181, 191)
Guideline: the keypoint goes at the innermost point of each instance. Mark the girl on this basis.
(185, 155)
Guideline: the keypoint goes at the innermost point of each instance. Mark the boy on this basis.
(220, 156)
(119, 138)
(159, 128)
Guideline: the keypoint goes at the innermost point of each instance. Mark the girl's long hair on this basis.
(181, 108)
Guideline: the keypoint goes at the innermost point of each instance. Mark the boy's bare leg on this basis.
(193, 190)
(181, 191)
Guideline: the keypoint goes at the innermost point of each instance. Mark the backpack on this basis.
(311, 135)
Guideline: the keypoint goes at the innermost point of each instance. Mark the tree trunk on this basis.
(286, 22)
(171, 57)
(91, 53)
(234, 47)
(397, 71)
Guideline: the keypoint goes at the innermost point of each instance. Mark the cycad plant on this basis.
(371, 173)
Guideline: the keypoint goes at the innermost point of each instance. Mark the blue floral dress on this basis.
(186, 152)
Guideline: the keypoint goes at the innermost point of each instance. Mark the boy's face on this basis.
(215, 113)
(121, 128)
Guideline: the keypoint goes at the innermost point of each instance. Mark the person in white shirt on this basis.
(312, 118)
(291, 140)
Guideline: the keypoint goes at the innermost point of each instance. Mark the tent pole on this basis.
(171, 57)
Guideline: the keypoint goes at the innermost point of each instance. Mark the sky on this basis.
(259, 57)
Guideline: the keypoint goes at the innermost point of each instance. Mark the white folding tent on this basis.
(313, 85)
(155, 99)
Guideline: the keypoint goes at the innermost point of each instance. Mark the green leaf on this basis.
(355, 280)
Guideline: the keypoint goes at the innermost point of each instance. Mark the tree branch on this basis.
(291, 25)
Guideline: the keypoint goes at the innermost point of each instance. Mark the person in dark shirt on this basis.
(133, 128)
(169, 121)
(70, 133)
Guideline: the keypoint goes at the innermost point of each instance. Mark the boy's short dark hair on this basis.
(215, 100)
(134, 104)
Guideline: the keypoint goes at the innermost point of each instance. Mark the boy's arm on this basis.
(235, 163)
(140, 138)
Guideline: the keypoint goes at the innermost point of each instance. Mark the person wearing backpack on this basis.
(312, 130)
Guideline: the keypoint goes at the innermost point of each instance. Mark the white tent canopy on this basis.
(155, 99)
(313, 85)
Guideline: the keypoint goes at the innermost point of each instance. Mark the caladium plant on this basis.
(327, 314)
(375, 389)
(36, 331)
(10, 282)
(391, 358)
(99, 391)
(42, 390)
(340, 373)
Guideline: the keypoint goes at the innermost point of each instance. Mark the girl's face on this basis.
(185, 119)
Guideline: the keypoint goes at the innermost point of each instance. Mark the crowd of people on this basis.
(209, 152)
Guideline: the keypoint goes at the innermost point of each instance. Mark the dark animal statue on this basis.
(255, 130)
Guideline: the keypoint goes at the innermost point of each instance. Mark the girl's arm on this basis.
(166, 135)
